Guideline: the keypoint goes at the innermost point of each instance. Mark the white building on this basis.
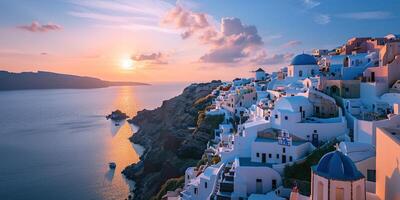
(260, 75)
(303, 66)
(312, 116)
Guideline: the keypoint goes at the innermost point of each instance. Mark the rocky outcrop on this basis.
(170, 141)
(117, 115)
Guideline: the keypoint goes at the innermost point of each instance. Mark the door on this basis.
(283, 158)
(273, 184)
(372, 76)
(259, 186)
(314, 139)
(263, 158)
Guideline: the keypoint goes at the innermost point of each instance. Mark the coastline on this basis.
(169, 145)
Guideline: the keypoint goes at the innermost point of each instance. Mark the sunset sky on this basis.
(160, 41)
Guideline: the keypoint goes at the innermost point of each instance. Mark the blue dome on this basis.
(337, 166)
(304, 59)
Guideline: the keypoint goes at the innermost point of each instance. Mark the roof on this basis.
(271, 135)
(269, 196)
(260, 70)
(393, 132)
(337, 166)
(292, 103)
(304, 59)
(357, 151)
(246, 162)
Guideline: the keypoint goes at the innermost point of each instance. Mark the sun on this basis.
(127, 64)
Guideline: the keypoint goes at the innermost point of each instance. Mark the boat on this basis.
(112, 165)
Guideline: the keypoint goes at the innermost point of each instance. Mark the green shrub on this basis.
(170, 185)
(301, 172)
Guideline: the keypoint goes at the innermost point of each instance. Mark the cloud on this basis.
(322, 19)
(187, 20)
(292, 43)
(264, 59)
(152, 58)
(366, 15)
(232, 42)
(122, 14)
(236, 41)
(37, 27)
(309, 4)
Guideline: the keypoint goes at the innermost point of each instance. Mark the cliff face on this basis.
(171, 145)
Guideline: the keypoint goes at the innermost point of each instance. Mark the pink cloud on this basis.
(232, 42)
(153, 58)
(37, 27)
(292, 43)
(187, 20)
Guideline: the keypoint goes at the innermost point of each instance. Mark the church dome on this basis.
(337, 166)
(304, 59)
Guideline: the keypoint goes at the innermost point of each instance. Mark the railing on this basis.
(217, 181)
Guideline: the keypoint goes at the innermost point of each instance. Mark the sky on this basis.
(179, 41)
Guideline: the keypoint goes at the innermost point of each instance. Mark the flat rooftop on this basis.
(271, 135)
(393, 132)
(246, 162)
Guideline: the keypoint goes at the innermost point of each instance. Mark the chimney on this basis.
(396, 108)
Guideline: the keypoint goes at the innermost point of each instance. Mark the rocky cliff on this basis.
(174, 135)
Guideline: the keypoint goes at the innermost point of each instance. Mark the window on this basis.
(320, 191)
(300, 73)
(277, 155)
(290, 158)
(315, 131)
(358, 192)
(205, 184)
(284, 150)
(346, 89)
(195, 190)
(258, 155)
(258, 180)
(371, 175)
(276, 116)
(317, 109)
(312, 72)
(339, 193)
(286, 118)
(269, 155)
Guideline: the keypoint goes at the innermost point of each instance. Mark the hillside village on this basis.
(325, 127)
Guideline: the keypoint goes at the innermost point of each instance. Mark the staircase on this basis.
(226, 186)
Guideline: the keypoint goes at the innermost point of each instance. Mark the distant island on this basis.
(51, 80)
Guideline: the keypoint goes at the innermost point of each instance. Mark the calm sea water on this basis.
(56, 144)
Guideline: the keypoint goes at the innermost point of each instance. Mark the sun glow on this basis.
(127, 64)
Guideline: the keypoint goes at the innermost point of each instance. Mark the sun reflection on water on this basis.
(119, 149)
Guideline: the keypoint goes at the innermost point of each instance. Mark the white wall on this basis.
(365, 131)
(325, 131)
(245, 180)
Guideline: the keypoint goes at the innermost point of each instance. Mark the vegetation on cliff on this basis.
(171, 143)
(300, 173)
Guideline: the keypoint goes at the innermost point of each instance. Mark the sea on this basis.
(56, 144)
